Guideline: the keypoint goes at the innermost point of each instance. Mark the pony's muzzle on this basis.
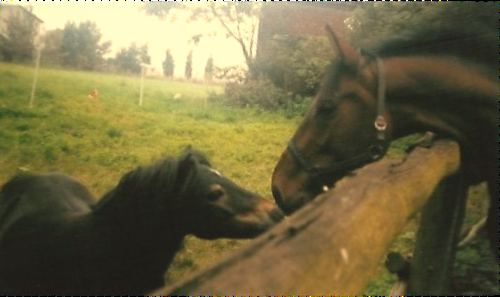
(271, 210)
(259, 219)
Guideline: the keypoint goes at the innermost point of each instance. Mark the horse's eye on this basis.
(216, 191)
(327, 108)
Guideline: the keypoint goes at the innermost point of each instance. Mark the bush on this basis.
(231, 74)
(261, 94)
(295, 64)
(283, 79)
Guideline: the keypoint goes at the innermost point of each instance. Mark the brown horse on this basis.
(448, 86)
(55, 240)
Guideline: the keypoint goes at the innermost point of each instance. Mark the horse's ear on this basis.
(186, 163)
(346, 53)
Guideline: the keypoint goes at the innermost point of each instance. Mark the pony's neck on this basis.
(141, 203)
(141, 192)
(139, 225)
(436, 94)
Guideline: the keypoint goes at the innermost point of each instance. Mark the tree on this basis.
(239, 20)
(129, 59)
(81, 46)
(168, 64)
(209, 69)
(230, 74)
(52, 50)
(18, 43)
(143, 54)
(188, 70)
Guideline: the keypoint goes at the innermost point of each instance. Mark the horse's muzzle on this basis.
(289, 205)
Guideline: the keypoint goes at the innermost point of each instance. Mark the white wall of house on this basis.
(8, 11)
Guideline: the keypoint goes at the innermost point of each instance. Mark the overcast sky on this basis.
(123, 23)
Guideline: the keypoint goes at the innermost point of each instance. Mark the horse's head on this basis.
(344, 129)
(217, 207)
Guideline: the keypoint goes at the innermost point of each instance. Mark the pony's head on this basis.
(345, 127)
(214, 206)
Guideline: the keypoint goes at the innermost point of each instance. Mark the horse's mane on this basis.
(162, 177)
(481, 47)
(472, 36)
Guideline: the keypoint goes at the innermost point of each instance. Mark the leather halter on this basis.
(374, 152)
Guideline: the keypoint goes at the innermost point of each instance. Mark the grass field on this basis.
(97, 141)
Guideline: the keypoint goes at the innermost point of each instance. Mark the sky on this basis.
(123, 23)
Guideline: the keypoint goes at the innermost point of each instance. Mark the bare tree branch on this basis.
(232, 18)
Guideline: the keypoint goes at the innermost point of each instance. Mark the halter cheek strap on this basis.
(380, 122)
(373, 152)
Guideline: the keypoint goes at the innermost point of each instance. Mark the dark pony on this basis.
(444, 82)
(55, 240)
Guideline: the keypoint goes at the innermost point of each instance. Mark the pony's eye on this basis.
(216, 191)
(215, 195)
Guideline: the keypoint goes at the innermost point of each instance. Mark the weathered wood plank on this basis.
(335, 243)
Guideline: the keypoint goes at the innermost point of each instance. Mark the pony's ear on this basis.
(199, 156)
(346, 53)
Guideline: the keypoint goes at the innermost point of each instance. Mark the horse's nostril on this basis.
(290, 205)
(277, 195)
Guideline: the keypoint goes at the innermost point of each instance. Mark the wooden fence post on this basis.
(437, 237)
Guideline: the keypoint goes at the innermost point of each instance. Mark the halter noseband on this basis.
(374, 151)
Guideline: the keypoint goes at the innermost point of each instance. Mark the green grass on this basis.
(97, 141)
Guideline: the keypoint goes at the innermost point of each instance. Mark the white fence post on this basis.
(38, 42)
(35, 76)
(144, 66)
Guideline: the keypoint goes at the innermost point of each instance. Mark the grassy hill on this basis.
(98, 141)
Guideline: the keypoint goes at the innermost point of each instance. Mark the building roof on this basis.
(24, 9)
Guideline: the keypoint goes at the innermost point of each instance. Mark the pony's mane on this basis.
(160, 177)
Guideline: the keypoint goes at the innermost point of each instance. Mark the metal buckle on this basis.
(380, 123)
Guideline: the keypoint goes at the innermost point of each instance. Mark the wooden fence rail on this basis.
(335, 243)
